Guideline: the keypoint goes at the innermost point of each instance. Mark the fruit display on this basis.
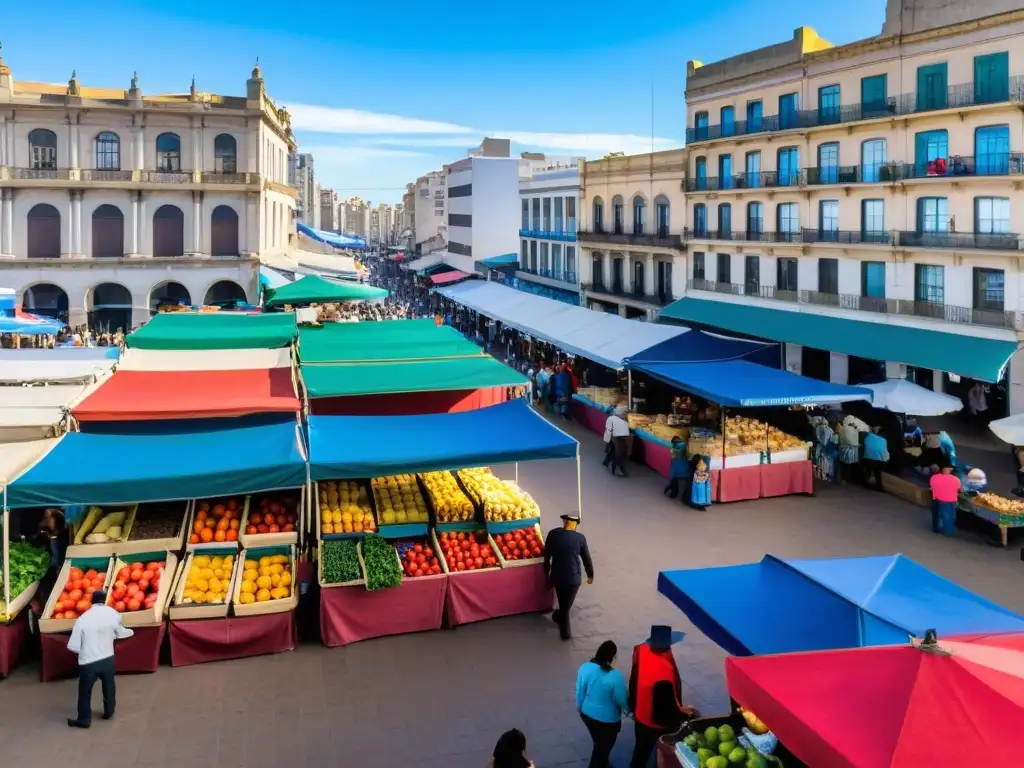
(345, 508)
(753, 722)
(380, 563)
(102, 526)
(450, 504)
(399, 500)
(661, 425)
(418, 558)
(208, 580)
(76, 594)
(523, 544)
(339, 561)
(28, 564)
(467, 550)
(273, 514)
(743, 436)
(161, 520)
(1000, 504)
(217, 521)
(609, 397)
(136, 586)
(501, 500)
(265, 578)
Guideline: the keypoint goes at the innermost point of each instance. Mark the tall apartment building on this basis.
(862, 203)
(329, 219)
(114, 202)
(385, 223)
(356, 217)
(407, 231)
(308, 203)
(431, 212)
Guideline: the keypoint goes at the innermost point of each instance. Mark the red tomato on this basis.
(435, 568)
(82, 606)
(460, 566)
(262, 528)
(461, 536)
(90, 574)
(466, 545)
(58, 607)
(428, 552)
(485, 551)
(133, 590)
(417, 548)
(517, 535)
(410, 569)
(134, 604)
(75, 595)
(148, 573)
(536, 552)
(75, 573)
(281, 520)
(288, 527)
(410, 556)
(275, 528)
(117, 594)
(459, 556)
(490, 562)
(421, 558)
(433, 561)
(143, 585)
(70, 615)
(474, 551)
(478, 562)
(122, 575)
(120, 606)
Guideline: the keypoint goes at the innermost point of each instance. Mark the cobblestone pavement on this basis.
(442, 698)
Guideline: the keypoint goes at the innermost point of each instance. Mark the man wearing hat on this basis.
(92, 638)
(564, 549)
(654, 688)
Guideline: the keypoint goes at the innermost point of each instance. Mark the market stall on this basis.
(414, 455)
(36, 412)
(314, 289)
(392, 341)
(215, 330)
(110, 484)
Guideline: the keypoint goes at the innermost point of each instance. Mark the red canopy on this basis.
(443, 278)
(891, 706)
(145, 395)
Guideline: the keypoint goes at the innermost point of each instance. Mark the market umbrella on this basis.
(959, 701)
(902, 396)
(315, 289)
(1010, 429)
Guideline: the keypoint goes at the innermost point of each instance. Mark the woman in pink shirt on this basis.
(945, 491)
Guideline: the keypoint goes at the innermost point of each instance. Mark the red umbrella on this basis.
(959, 701)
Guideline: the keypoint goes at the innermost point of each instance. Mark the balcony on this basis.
(105, 174)
(40, 173)
(165, 177)
(956, 97)
(661, 239)
(543, 234)
(752, 180)
(562, 276)
(748, 236)
(658, 299)
(219, 177)
(700, 284)
(1009, 241)
(846, 237)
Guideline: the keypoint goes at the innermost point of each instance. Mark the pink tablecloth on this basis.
(14, 637)
(591, 418)
(200, 640)
(787, 478)
(350, 614)
(139, 653)
(655, 455)
(735, 484)
(491, 593)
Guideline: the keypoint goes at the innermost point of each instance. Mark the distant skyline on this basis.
(380, 97)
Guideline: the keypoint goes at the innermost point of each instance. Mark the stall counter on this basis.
(589, 414)
(494, 592)
(14, 639)
(197, 641)
(138, 653)
(351, 614)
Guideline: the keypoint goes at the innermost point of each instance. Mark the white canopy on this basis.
(41, 396)
(15, 458)
(605, 338)
(204, 359)
(902, 396)
(57, 371)
(306, 262)
(425, 262)
(1010, 429)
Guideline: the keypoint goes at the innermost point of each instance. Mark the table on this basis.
(14, 639)
(652, 451)
(351, 614)
(195, 641)
(762, 481)
(488, 594)
(139, 653)
(589, 414)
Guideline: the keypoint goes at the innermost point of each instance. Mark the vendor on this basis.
(945, 492)
(932, 457)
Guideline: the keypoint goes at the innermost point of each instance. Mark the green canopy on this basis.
(420, 376)
(315, 289)
(215, 330)
(390, 340)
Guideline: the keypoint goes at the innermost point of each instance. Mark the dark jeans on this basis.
(88, 674)
(566, 597)
(604, 736)
(672, 489)
(873, 468)
(646, 739)
(609, 451)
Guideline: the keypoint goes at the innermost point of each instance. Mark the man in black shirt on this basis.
(564, 549)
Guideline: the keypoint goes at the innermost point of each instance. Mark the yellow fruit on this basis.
(214, 597)
(199, 597)
(217, 562)
(337, 517)
(276, 568)
(286, 580)
(265, 561)
(218, 573)
(190, 583)
(264, 582)
(251, 575)
(249, 564)
(201, 561)
(279, 593)
(248, 587)
(206, 573)
(326, 528)
(264, 570)
(214, 585)
(202, 585)
(245, 598)
(262, 596)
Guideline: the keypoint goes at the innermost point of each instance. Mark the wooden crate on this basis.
(281, 605)
(362, 564)
(248, 540)
(516, 563)
(213, 546)
(167, 543)
(183, 611)
(147, 617)
(353, 534)
(46, 622)
(478, 528)
(107, 548)
(19, 603)
(906, 490)
(320, 570)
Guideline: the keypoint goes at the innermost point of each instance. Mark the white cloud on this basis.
(356, 154)
(306, 117)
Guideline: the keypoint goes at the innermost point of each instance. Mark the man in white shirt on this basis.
(616, 438)
(92, 638)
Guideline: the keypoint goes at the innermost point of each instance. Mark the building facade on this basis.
(879, 181)
(483, 207)
(356, 217)
(329, 210)
(632, 213)
(549, 200)
(407, 230)
(431, 212)
(307, 207)
(114, 202)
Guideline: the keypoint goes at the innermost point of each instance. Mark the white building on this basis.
(329, 211)
(431, 212)
(483, 209)
(308, 207)
(549, 215)
(113, 202)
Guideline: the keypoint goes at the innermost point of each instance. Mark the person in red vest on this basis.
(654, 690)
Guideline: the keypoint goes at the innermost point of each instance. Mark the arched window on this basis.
(42, 150)
(224, 293)
(107, 232)
(663, 222)
(43, 232)
(108, 151)
(168, 231)
(618, 215)
(224, 231)
(638, 278)
(598, 214)
(225, 154)
(168, 153)
(724, 221)
(639, 215)
(755, 220)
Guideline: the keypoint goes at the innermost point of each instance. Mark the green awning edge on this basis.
(393, 378)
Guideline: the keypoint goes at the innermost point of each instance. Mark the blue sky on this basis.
(382, 92)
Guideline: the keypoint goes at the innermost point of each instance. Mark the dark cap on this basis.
(570, 518)
(98, 597)
(662, 637)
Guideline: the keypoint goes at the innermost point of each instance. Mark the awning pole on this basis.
(579, 485)
(629, 390)
(517, 473)
(7, 554)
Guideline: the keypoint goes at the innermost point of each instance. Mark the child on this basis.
(678, 469)
(700, 494)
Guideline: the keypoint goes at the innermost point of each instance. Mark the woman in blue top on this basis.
(602, 700)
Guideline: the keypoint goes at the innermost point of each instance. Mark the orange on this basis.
(201, 515)
(223, 524)
(234, 525)
(193, 539)
(198, 525)
(219, 535)
(207, 534)
(231, 535)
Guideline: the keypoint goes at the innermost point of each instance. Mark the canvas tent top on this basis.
(477, 372)
(215, 330)
(314, 289)
(174, 360)
(702, 347)
(384, 341)
(15, 458)
(34, 370)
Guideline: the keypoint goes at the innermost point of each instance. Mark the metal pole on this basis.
(629, 390)
(517, 473)
(579, 485)
(7, 554)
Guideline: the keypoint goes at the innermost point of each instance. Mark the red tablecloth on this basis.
(139, 653)
(350, 614)
(787, 478)
(14, 637)
(591, 418)
(654, 455)
(498, 592)
(735, 484)
(199, 640)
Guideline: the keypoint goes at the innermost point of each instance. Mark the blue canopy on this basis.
(271, 278)
(780, 605)
(181, 461)
(701, 347)
(331, 238)
(61, 353)
(368, 446)
(30, 327)
(742, 384)
(501, 260)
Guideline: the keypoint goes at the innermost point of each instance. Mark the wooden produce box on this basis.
(147, 617)
(789, 455)
(181, 610)
(398, 529)
(19, 603)
(921, 495)
(320, 569)
(253, 505)
(79, 548)
(198, 506)
(172, 543)
(362, 564)
(280, 605)
(438, 551)
(49, 624)
(516, 563)
(477, 528)
(319, 519)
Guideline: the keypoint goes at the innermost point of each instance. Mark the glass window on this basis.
(701, 172)
(725, 171)
(755, 220)
(828, 276)
(874, 97)
(639, 215)
(872, 221)
(556, 260)
(753, 180)
(547, 214)
(638, 278)
(933, 214)
(524, 256)
(929, 283)
(559, 225)
(786, 275)
(42, 147)
(225, 154)
(570, 263)
(617, 274)
(536, 214)
(828, 104)
(991, 215)
(724, 221)
(754, 116)
(789, 110)
(570, 215)
(828, 163)
(526, 215)
(931, 153)
(828, 220)
(533, 255)
(700, 220)
(872, 158)
(700, 125)
(598, 215)
(752, 275)
(724, 268)
(992, 78)
(108, 152)
(789, 167)
(698, 265)
(728, 120)
(618, 216)
(663, 219)
(872, 279)
(989, 289)
(545, 266)
(168, 153)
(931, 87)
(992, 150)
(789, 222)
